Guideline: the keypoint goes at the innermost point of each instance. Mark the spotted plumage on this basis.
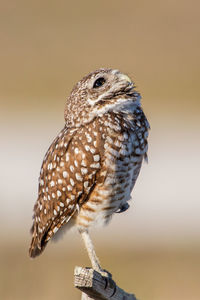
(91, 167)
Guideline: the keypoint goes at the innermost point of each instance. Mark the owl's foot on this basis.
(123, 208)
(105, 273)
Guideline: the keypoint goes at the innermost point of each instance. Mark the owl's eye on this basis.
(99, 82)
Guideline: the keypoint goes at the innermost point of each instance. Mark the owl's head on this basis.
(99, 92)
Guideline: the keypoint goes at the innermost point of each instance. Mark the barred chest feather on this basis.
(122, 143)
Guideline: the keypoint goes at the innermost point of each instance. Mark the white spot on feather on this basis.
(78, 177)
(94, 166)
(96, 157)
(52, 183)
(84, 171)
(86, 183)
(71, 181)
(65, 174)
(59, 193)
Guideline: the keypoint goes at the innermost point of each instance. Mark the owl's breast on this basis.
(123, 148)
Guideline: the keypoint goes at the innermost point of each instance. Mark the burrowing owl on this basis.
(91, 167)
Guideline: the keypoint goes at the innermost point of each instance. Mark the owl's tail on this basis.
(38, 243)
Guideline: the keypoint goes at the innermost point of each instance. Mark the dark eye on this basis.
(99, 82)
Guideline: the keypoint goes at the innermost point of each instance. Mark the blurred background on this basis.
(152, 249)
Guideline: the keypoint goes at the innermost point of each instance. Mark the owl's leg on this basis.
(91, 252)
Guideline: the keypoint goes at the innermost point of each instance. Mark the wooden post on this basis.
(98, 287)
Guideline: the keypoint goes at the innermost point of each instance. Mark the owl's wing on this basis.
(67, 176)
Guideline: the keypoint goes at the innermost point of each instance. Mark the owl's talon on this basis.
(105, 273)
(123, 208)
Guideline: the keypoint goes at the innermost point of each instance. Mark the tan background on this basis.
(46, 47)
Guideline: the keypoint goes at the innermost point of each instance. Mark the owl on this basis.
(91, 167)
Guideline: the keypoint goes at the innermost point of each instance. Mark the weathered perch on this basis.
(97, 287)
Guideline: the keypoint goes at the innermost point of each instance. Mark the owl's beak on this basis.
(125, 78)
